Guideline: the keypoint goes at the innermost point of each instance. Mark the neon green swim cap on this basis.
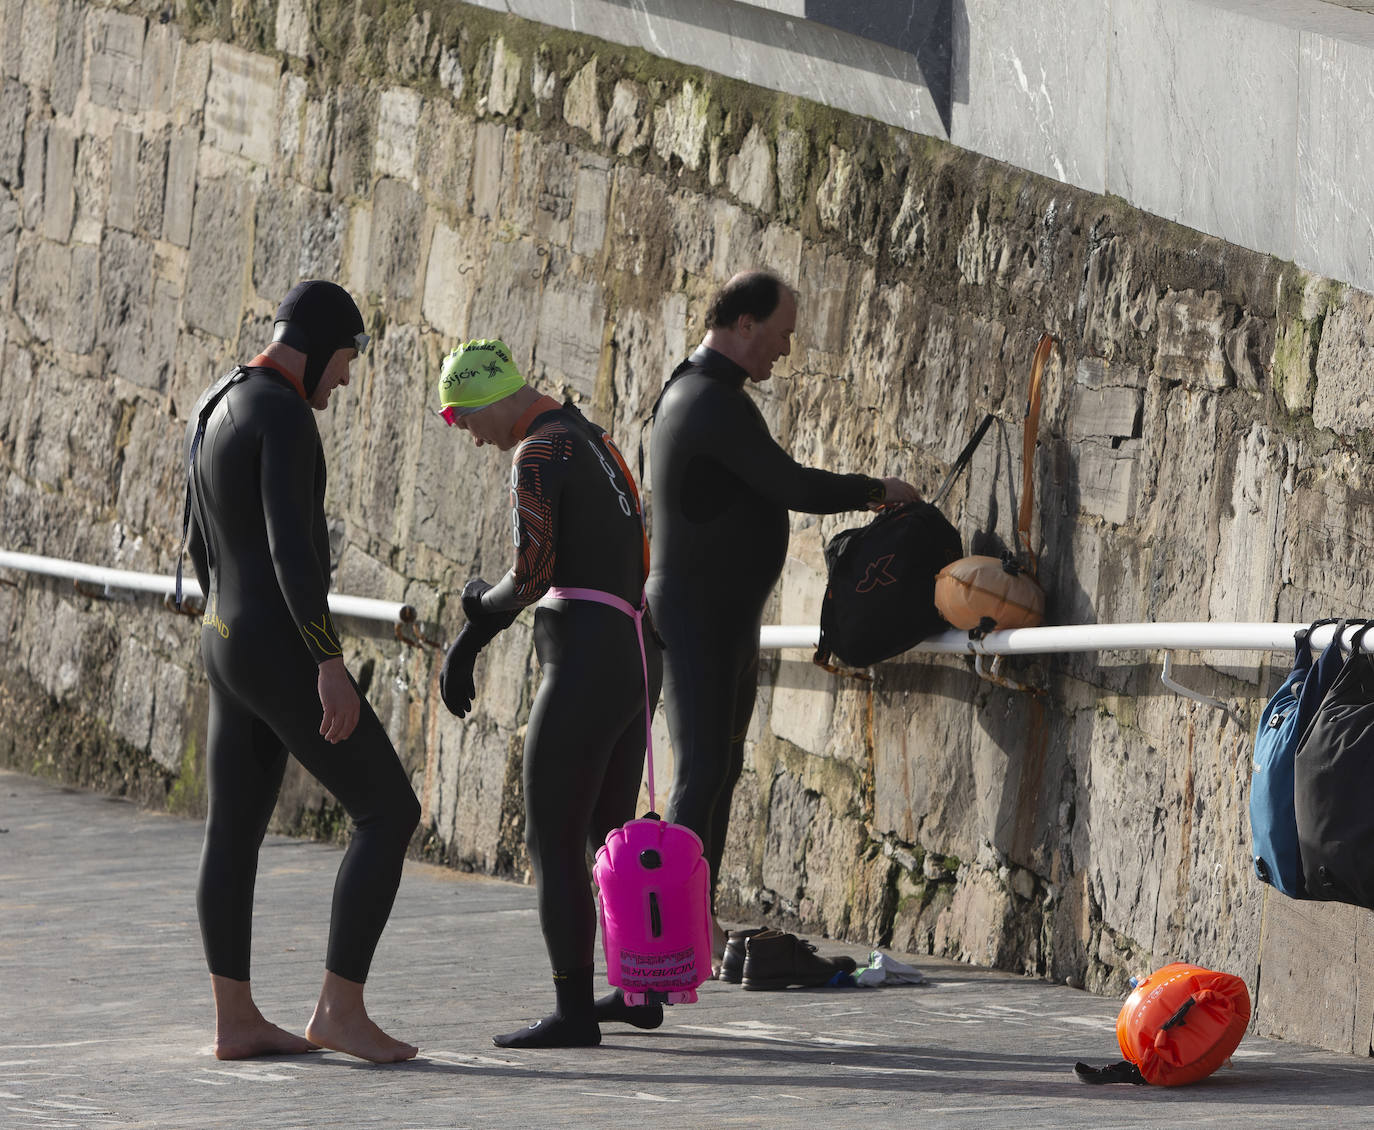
(476, 374)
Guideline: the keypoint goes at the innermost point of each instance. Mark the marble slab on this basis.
(1203, 119)
(1031, 84)
(1335, 160)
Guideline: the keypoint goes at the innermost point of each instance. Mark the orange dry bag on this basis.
(985, 593)
(1182, 1023)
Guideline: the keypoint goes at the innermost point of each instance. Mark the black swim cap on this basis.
(318, 318)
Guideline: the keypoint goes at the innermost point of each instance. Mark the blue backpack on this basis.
(1273, 818)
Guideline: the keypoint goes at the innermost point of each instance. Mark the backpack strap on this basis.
(204, 406)
(1032, 428)
(963, 460)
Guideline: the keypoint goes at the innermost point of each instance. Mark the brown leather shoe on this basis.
(773, 960)
(732, 964)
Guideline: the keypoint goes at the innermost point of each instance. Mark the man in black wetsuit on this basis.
(722, 488)
(258, 540)
(580, 550)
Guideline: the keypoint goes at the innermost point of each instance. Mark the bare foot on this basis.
(341, 1024)
(262, 1038)
(241, 1031)
(718, 940)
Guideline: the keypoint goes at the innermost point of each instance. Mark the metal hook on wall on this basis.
(1166, 677)
(994, 674)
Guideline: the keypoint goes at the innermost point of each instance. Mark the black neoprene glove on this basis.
(456, 684)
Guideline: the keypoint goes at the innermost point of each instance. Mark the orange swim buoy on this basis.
(986, 593)
(1182, 1022)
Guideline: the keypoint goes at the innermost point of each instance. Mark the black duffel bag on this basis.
(880, 599)
(1333, 783)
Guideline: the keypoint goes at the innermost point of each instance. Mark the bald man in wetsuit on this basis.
(258, 540)
(722, 489)
(580, 552)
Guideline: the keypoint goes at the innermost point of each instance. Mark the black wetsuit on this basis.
(722, 488)
(261, 553)
(576, 524)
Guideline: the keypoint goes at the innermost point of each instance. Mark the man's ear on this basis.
(745, 326)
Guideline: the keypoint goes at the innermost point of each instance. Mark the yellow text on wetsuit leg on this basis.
(212, 619)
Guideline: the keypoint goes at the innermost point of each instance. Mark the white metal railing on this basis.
(1181, 636)
(1166, 637)
(363, 607)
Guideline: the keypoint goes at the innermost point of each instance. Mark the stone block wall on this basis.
(467, 173)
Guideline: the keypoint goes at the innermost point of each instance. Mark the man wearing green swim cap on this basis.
(581, 554)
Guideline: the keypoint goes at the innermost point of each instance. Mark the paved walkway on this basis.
(105, 1016)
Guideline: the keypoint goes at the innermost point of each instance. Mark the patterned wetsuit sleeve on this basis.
(537, 475)
(741, 442)
(290, 454)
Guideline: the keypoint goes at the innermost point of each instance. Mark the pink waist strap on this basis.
(596, 596)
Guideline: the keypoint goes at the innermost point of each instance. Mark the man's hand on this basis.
(895, 491)
(339, 701)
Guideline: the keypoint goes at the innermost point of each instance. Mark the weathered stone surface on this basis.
(241, 103)
(444, 155)
(749, 173)
(543, 82)
(276, 235)
(69, 63)
(59, 200)
(487, 156)
(220, 235)
(126, 283)
(1119, 301)
(451, 75)
(292, 30)
(38, 44)
(291, 102)
(116, 70)
(627, 127)
(11, 36)
(1192, 335)
(9, 242)
(14, 105)
(189, 86)
(161, 46)
(568, 334)
(395, 404)
(553, 208)
(449, 281)
(503, 86)
(394, 256)
(680, 126)
(355, 113)
(591, 195)
(507, 297)
(1344, 361)
(36, 131)
(582, 105)
(324, 221)
(398, 119)
(182, 153)
(317, 144)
